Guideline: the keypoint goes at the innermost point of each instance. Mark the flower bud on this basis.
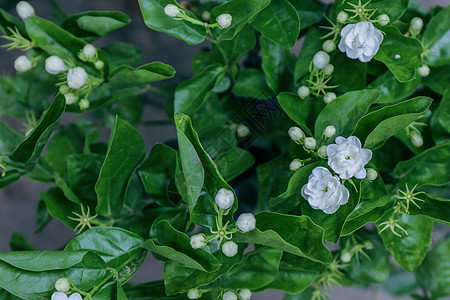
(172, 10)
(423, 71)
(342, 17)
(383, 19)
(230, 248)
(224, 198)
(328, 46)
(22, 64)
(417, 140)
(194, 294)
(24, 9)
(229, 296)
(245, 294)
(329, 132)
(62, 285)
(321, 59)
(59, 296)
(75, 296)
(89, 51)
(76, 77)
(64, 89)
(242, 131)
(368, 245)
(322, 152)
(246, 222)
(303, 92)
(198, 241)
(416, 25)
(224, 20)
(295, 133)
(310, 143)
(295, 165)
(206, 15)
(329, 97)
(70, 98)
(329, 69)
(99, 64)
(371, 174)
(54, 65)
(346, 256)
(84, 104)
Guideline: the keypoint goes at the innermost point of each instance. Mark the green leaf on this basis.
(312, 44)
(438, 79)
(120, 293)
(441, 118)
(348, 81)
(393, 90)
(434, 207)
(350, 107)
(123, 54)
(59, 206)
(10, 177)
(437, 38)
(234, 162)
(19, 242)
(279, 22)
(297, 235)
(192, 93)
(95, 23)
(242, 12)
(409, 250)
(126, 76)
(252, 83)
(175, 246)
(126, 150)
(9, 139)
(155, 18)
(234, 49)
(309, 12)
(9, 21)
(409, 49)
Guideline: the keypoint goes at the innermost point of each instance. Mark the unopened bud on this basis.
(310, 143)
(342, 17)
(321, 59)
(346, 256)
(328, 46)
(329, 132)
(371, 174)
(295, 133)
(54, 65)
(198, 241)
(417, 140)
(194, 294)
(171, 10)
(22, 64)
(416, 25)
(89, 51)
(70, 98)
(62, 285)
(295, 165)
(24, 9)
(423, 71)
(242, 131)
(229, 296)
(224, 20)
(230, 248)
(303, 92)
(329, 69)
(84, 104)
(322, 152)
(329, 97)
(383, 19)
(245, 294)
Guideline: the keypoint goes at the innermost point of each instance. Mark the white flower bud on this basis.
(84, 104)
(329, 97)
(322, 152)
(59, 296)
(383, 19)
(423, 71)
(295, 165)
(371, 174)
(194, 294)
(99, 64)
(54, 65)
(245, 294)
(22, 64)
(295, 133)
(368, 245)
(303, 92)
(70, 98)
(198, 241)
(62, 285)
(64, 89)
(329, 131)
(397, 56)
(229, 296)
(172, 10)
(230, 248)
(328, 46)
(76, 77)
(75, 296)
(342, 17)
(242, 131)
(310, 143)
(417, 140)
(24, 9)
(89, 51)
(224, 198)
(246, 222)
(346, 256)
(224, 20)
(329, 69)
(321, 59)
(206, 15)
(416, 25)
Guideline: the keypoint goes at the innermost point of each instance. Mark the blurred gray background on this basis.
(18, 202)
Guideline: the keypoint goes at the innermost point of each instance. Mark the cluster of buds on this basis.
(243, 294)
(63, 286)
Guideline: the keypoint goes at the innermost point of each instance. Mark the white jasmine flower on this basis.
(172, 10)
(229, 296)
(194, 294)
(322, 152)
(224, 20)
(416, 25)
(328, 46)
(245, 294)
(303, 92)
(22, 64)
(329, 131)
(361, 40)
(230, 248)
(54, 65)
(59, 296)
(242, 131)
(198, 241)
(329, 69)
(310, 143)
(321, 59)
(417, 140)
(325, 191)
(75, 296)
(84, 104)
(76, 77)
(70, 98)
(371, 174)
(295, 133)
(342, 17)
(62, 285)
(329, 97)
(347, 158)
(383, 19)
(246, 222)
(24, 9)
(89, 51)
(346, 256)
(295, 165)
(224, 198)
(423, 71)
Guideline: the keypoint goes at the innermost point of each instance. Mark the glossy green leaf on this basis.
(434, 207)
(19, 242)
(126, 150)
(442, 112)
(60, 207)
(345, 80)
(393, 90)
(409, 49)
(155, 18)
(126, 76)
(438, 79)
(279, 22)
(95, 23)
(311, 45)
(9, 139)
(10, 177)
(309, 11)
(123, 54)
(252, 83)
(234, 49)
(437, 38)
(9, 21)
(120, 293)
(234, 162)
